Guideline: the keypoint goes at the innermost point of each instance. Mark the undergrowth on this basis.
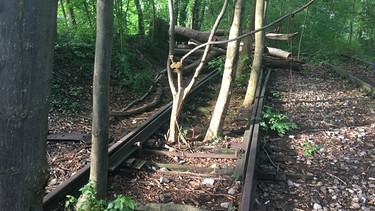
(88, 201)
(273, 120)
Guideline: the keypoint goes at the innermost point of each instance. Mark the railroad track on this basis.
(246, 167)
(130, 143)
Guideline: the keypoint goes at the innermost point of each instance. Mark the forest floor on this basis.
(330, 113)
(334, 145)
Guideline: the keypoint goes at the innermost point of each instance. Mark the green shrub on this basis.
(275, 121)
(88, 201)
(309, 149)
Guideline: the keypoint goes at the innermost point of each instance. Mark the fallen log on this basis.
(274, 36)
(278, 63)
(183, 34)
(279, 53)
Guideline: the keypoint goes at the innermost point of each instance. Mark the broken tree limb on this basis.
(279, 53)
(200, 36)
(274, 36)
(252, 32)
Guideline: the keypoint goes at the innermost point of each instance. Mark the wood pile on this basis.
(188, 39)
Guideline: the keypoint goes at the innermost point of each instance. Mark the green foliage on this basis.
(275, 121)
(217, 63)
(276, 94)
(65, 103)
(309, 149)
(88, 201)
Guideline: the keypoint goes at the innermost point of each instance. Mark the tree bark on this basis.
(100, 121)
(200, 36)
(141, 28)
(230, 67)
(277, 63)
(62, 8)
(247, 50)
(71, 13)
(258, 55)
(276, 36)
(279, 53)
(179, 93)
(27, 36)
(88, 15)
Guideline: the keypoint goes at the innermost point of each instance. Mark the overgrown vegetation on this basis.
(88, 201)
(273, 120)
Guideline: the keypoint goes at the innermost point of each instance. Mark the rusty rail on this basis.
(247, 163)
(120, 151)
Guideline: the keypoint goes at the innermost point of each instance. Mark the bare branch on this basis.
(205, 54)
(249, 33)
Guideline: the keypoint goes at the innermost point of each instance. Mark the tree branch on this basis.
(249, 33)
(206, 51)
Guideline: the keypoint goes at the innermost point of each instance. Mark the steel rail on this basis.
(344, 74)
(250, 181)
(120, 151)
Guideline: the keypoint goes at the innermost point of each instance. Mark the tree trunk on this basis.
(141, 28)
(183, 13)
(258, 55)
(247, 50)
(350, 36)
(86, 8)
(221, 107)
(62, 8)
(153, 21)
(27, 36)
(119, 17)
(184, 34)
(179, 94)
(100, 121)
(287, 64)
(279, 53)
(71, 13)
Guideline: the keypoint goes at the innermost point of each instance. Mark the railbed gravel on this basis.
(335, 116)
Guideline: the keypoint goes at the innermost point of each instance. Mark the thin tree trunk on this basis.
(100, 121)
(258, 55)
(141, 27)
(183, 14)
(118, 8)
(153, 21)
(219, 114)
(303, 30)
(27, 36)
(247, 48)
(201, 14)
(63, 8)
(86, 8)
(179, 94)
(350, 37)
(71, 12)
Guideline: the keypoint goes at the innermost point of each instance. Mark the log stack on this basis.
(273, 57)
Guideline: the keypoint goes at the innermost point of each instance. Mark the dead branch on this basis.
(142, 108)
(249, 33)
(274, 36)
